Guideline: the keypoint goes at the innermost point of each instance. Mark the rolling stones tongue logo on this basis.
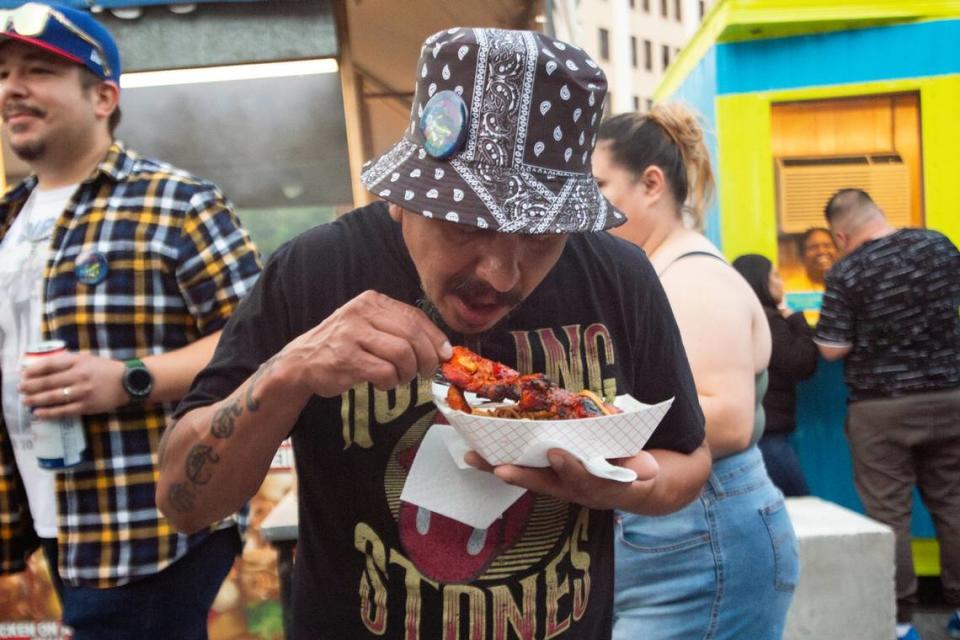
(449, 551)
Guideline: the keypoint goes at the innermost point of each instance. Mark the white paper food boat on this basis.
(526, 442)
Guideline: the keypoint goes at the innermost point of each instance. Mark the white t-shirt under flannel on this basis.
(24, 252)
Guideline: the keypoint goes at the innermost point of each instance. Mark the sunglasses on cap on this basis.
(31, 20)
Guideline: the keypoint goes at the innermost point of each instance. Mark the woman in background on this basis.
(819, 252)
(792, 359)
(804, 286)
(726, 565)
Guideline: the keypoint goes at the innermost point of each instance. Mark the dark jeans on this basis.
(172, 604)
(782, 463)
(900, 443)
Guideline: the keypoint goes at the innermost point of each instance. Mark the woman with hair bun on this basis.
(726, 565)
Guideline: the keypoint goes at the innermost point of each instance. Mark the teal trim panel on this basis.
(841, 57)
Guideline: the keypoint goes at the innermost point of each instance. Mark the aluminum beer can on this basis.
(58, 443)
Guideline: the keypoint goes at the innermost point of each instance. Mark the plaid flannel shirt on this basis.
(178, 264)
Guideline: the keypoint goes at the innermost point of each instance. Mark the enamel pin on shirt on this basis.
(91, 267)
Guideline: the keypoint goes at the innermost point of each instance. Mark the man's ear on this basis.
(106, 98)
(840, 239)
(396, 212)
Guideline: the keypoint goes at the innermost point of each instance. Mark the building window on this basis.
(678, 10)
(703, 9)
(664, 8)
(649, 104)
(665, 54)
(636, 103)
(633, 51)
(604, 44)
(646, 6)
(648, 55)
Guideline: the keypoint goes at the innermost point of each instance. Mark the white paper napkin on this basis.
(436, 482)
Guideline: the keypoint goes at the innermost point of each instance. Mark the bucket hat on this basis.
(502, 130)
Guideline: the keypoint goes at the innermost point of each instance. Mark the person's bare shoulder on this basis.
(713, 285)
(713, 303)
(693, 266)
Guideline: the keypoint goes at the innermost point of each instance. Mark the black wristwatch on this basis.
(137, 380)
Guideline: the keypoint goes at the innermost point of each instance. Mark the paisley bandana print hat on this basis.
(501, 133)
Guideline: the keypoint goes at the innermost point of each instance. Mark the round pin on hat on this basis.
(443, 125)
(501, 131)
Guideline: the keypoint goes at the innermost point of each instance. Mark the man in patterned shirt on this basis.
(136, 266)
(890, 308)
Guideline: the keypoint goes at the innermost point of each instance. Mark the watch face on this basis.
(138, 382)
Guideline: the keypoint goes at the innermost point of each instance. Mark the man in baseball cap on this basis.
(135, 267)
(66, 32)
(491, 234)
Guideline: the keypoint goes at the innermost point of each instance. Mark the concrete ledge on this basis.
(846, 585)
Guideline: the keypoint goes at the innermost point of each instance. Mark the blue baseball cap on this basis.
(66, 32)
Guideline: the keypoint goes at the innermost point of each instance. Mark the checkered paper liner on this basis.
(509, 441)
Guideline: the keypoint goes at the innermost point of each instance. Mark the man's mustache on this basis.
(473, 290)
(18, 108)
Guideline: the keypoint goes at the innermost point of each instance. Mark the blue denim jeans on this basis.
(172, 604)
(723, 567)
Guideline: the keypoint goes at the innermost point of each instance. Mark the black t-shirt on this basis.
(368, 565)
(894, 302)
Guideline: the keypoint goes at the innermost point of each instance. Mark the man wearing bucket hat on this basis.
(133, 266)
(491, 236)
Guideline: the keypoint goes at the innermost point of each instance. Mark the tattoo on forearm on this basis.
(252, 403)
(197, 459)
(224, 420)
(223, 424)
(181, 497)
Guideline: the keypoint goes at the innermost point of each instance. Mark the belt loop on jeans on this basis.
(713, 488)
